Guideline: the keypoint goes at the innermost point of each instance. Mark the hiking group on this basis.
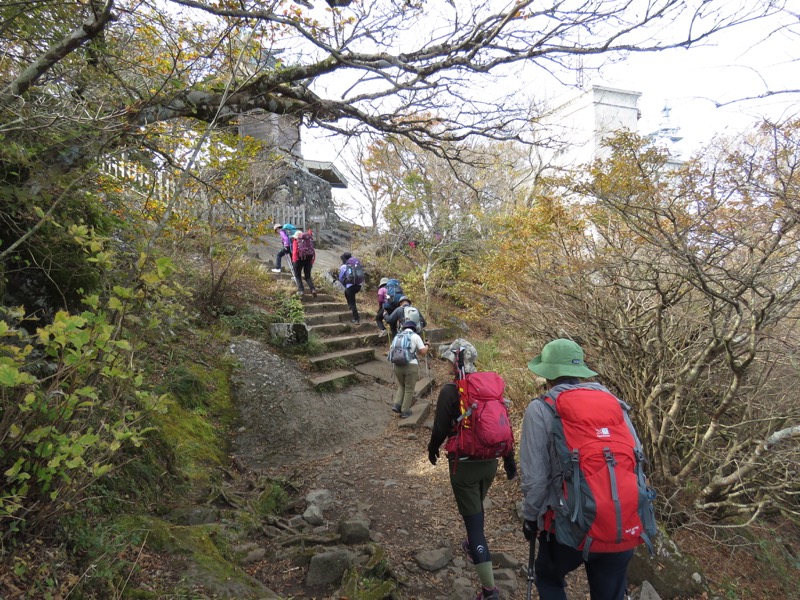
(299, 247)
(407, 344)
(585, 498)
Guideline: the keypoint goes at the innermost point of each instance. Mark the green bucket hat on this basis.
(560, 358)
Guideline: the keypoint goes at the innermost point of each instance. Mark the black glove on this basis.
(530, 529)
(510, 466)
(433, 455)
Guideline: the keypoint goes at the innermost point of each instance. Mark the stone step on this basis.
(379, 369)
(327, 318)
(329, 329)
(352, 340)
(321, 298)
(342, 358)
(284, 275)
(333, 380)
(315, 308)
(423, 387)
(419, 412)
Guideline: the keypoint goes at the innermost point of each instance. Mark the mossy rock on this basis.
(370, 581)
(672, 573)
(205, 565)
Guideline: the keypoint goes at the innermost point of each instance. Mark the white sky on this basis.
(744, 61)
(741, 62)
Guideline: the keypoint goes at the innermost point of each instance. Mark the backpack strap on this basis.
(611, 462)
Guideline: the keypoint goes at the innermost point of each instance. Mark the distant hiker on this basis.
(403, 353)
(406, 312)
(394, 291)
(381, 299)
(351, 276)
(472, 475)
(303, 257)
(286, 232)
(595, 512)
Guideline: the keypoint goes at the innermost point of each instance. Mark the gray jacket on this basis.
(539, 467)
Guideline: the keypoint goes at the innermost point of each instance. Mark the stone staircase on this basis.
(356, 353)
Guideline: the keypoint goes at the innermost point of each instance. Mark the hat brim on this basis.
(553, 372)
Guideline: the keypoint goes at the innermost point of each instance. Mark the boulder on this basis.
(503, 560)
(433, 560)
(313, 515)
(321, 498)
(647, 592)
(288, 334)
(354, 531)
(671, 573)
(328, 567)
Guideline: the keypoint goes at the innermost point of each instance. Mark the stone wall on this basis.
(299, 187)
(295, 185)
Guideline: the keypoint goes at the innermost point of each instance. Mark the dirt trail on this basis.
(350, 443)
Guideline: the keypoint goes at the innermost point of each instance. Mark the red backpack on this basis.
(483, 430)
(605, 504)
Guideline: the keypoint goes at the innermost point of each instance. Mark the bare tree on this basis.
(685, 292)
(82, 79)
(376, 66)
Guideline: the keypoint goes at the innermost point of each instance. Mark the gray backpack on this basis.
(411, 313)
(400, 352)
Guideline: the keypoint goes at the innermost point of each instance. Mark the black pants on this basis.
(303, 267)
(286, 250)
(379, 318)
(350, 294)
(607, 573)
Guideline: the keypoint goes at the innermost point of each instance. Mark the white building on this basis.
(577, 127)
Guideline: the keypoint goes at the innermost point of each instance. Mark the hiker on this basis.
(408, 345)
(394, 291)
(286, 232)
(406, 312)
(565, 538)
(351, 276)
(303, 257)
(379, 315)
(470, 478)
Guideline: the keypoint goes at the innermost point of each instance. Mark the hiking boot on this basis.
(275, 270)
(381, 333)
(300, 293)
(488, 594)
(466, 550)
(405, 414)
(396, 408)
(313, 293)
(356, 322)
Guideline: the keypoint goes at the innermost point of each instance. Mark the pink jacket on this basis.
(381, 296)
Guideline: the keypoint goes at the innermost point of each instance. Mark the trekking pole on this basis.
(531, 559)
(295, 276)
(427, 366)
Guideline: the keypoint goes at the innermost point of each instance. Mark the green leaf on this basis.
(10, 376)
(15, 469)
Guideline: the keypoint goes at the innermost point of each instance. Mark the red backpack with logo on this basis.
(483, 430)
(605, 504)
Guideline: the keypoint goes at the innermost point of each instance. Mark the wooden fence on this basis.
(161, 186)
